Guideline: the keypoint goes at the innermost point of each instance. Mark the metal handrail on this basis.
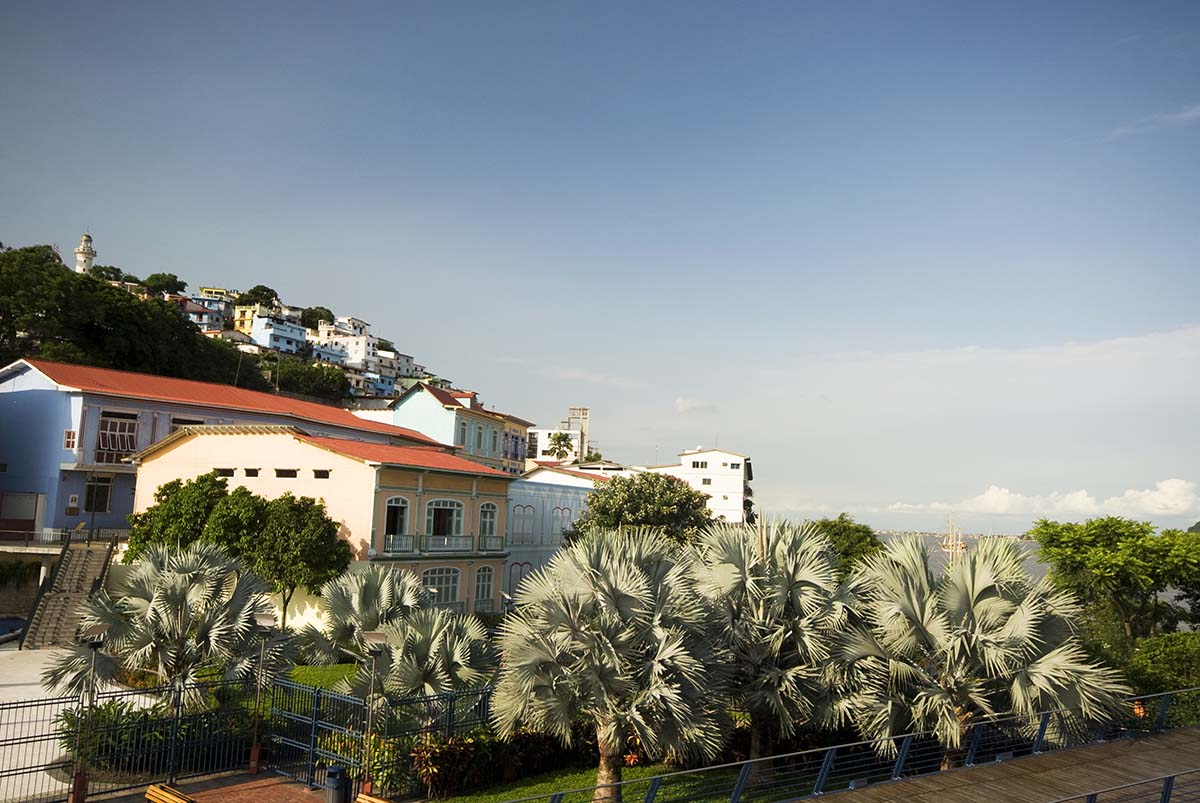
(46, 585)
(98, 583)
(831, 750)
(1094, 794)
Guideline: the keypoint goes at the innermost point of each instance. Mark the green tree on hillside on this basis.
(51, 312)
(311, 316)
(258, 294)
(657, 501)
(108, 273)
(164, 283)
(298, 376)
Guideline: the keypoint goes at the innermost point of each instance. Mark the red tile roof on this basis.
(212, 394)
(412, 456)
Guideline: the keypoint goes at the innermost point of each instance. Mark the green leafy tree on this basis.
(323, 381)
(1121, 564)
(647, 499)
(613, 632)
(164, 283)
(932, 650)
(311, 316)
(258, 294)
(774, 589)
(178, 614)
(108, 273)
(592, 457)
(298, 547)
(851, 541)
(235, 521)
(1166, 663)
(178, 517)
(560, 445)
(385, 344)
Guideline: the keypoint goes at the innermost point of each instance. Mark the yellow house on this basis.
(420, 509)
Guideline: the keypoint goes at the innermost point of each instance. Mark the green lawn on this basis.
(555, 781)
(325, 677)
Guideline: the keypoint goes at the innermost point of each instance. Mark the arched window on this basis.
(483, 589)
(522, 524)
(517, 573)
(560, 520)
(395, 526)
(444, 517)
(442, 582)
(487, 519)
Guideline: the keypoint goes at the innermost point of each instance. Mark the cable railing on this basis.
(813, 772)
(1180, 787)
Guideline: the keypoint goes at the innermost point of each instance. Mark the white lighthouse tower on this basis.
(84, 254)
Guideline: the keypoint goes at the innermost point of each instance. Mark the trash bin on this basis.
(337, 786)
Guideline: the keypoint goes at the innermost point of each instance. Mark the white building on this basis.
(85, 255)
(352, 336)
(277, 334)
(724, 476)
(575, 426)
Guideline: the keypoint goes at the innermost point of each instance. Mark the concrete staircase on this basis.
(57, 616)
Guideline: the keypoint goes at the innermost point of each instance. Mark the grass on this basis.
(547, 783)
(324, 677)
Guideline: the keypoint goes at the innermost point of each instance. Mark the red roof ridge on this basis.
(115, 382)
(414, 456)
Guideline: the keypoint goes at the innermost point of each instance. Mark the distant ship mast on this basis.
(953, 544)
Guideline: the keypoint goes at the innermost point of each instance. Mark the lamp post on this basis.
(93, 637)
(375, 639)
(264, 623)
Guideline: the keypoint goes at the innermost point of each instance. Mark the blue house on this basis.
(66, 431)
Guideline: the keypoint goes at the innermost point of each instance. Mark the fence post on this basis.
(740, 786)
(826, 766)
(973, 747)
(311, 773)
(1040, 740)
(1168, 785)
(901, 757)
(1160, 723)
(450, 715)
(652, 790)
(173, 760)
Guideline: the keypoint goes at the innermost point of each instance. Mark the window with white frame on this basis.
(395, 524)
(444, 517)
(462, 433)
(487, 519)
(735, 465)
(484, 584)
(706, 481)
(442, 582)
(69, 439)
(699, 464)
(116, 437)
(494, 436)
(479, 438)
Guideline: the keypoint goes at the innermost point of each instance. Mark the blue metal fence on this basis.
(810, 773)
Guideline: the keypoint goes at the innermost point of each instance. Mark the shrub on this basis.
(1166, 663)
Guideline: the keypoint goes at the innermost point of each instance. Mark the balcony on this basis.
(454, 606)
(484, 606)
(399, 544)
(447, 543)
(491, 543)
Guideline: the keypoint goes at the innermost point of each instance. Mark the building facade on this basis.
(277, 334)
(724, 476)
(544, 504)
(431, 513)
(66, 432)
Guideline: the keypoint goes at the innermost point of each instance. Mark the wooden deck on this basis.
(1039, 779)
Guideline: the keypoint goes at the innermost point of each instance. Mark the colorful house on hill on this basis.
(416, 508)
(493, 439)
(67, 430)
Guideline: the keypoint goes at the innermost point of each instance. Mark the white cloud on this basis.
(685, 406)
(1173, 498)
(1154, 122)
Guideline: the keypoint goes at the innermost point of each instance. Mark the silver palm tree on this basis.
(176, 613)
(612, 630)
(938, 650)
(774, 589)
(359, 602)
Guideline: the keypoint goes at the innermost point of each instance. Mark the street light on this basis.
(264, 623)
(93, 637)
(375, 639)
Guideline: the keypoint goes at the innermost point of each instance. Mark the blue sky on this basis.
(899, 253)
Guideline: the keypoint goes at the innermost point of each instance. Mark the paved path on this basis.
(1038, 779)
(265, 788)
